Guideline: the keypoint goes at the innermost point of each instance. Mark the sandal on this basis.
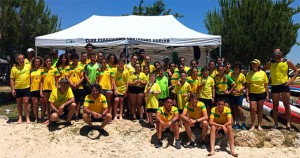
(235, 155)
(211, 154)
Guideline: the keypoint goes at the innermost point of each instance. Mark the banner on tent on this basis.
(99, 40)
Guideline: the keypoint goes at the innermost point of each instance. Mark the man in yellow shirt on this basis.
(95, 108)
(220, 119)
(194, 114)
(167, 118)
(62, 103)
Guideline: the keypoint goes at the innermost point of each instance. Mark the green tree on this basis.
(253, 28)
(21, 21)
(158, 8)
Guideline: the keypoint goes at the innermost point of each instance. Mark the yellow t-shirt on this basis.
(130, 68)
(62, 72)
(135, 77)
(222, 84)
(180, 91)
(121, 80)
(151, 68)
(206, 91)
(166, 116)
(213, 73)
(220, 118)
(239, 81)
(75, 73)
(174, 78)
(195, 112)
(193, 83)
(58, 99)
(105, 78)
(257, 81)
(96, 105)
(35, 79)
(152, 99)
(48, 77)
(279, 72)
(186, 69)
(82, 64)
(21, 76)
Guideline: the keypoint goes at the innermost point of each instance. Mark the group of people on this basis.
(177, 95)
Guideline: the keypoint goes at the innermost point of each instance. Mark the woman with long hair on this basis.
(35, 87)
(136, 88)
(61, 65)
(19, 84)
(49, 81)
(257, 91)
(112, 61)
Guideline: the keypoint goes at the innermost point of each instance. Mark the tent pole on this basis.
(126, 48)
(36, 51)
(220, 51)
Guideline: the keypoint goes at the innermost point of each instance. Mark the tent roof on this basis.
(131, 30)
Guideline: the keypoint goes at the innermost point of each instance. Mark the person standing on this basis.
(280, 82)
(90, 72)
(257, 92)
(20, 86)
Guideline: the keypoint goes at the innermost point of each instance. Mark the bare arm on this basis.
(12, 87)
(267, 66)
(292, 66)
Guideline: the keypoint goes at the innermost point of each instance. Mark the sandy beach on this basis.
(126, 139)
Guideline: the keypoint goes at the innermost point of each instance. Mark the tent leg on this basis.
(220, 51)
(35, 51)
(127, 56)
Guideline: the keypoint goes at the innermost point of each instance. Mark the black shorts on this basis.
(151, 110)
(207, 102)
(47, 91)
(257, 97)
(180, 111)
(35, 94)
(78, 95)
(93, 119)
(65, 114)
(224, 96)
(280, 88)
(20, 93)
(136, 90)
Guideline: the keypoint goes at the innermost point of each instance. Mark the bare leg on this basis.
(106, 121)
(35, 108)
(108, 98)
(20, 109)
(26, 108)
(158, 130)
(121, 108)
(204, 126)
(46, 98)
(116, 103)
(253, 109)
(43, 108)
(260, 105)
(150, 116)
(188, 131)
(212, 139)
(231, 140)
(286, 103)
(174, 127)
(140, 104)
(71, 111)
(275, 97)
(87, 119)
(133, 100)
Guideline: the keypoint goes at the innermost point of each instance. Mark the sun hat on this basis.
(256, 61)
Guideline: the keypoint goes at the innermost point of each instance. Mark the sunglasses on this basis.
(277, 53)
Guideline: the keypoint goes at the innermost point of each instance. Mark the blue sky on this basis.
(72, 12)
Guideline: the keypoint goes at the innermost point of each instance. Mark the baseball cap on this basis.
(166, 57)
(30, 50)
(256, 61)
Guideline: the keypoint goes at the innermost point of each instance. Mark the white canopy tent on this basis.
(157, 34)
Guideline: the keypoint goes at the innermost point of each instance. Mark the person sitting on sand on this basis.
(62, 103)
(167, 118)
(220, 119)
(194, 114)
(95, 108)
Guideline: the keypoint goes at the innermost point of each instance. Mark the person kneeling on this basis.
(194, 113)
(167, 117)
(95, 108)
(62, 103)
(220, 119)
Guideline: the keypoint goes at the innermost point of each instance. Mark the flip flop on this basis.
(211, 154)
(235, 155)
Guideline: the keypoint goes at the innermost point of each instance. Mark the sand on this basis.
(126, 139)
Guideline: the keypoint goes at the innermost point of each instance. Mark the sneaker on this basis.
(243, 127)
(103, 132)
(159, 144)
(191, 144)
(68, 124)
(202, 145)
(177, 144)
(236, 126)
